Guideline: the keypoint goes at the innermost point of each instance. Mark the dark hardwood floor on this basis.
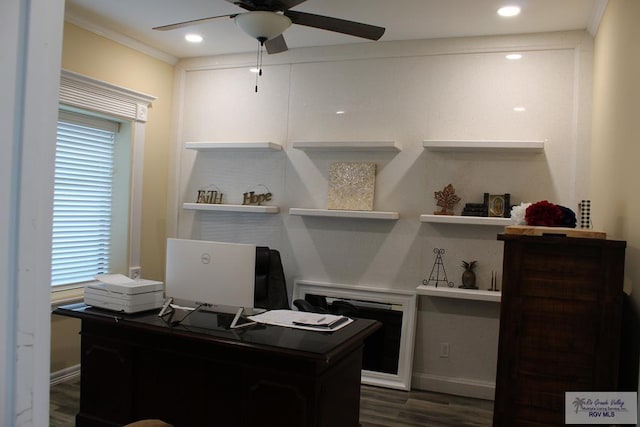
(64, 403)
(379, 407)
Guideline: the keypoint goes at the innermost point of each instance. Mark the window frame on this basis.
(86, 93)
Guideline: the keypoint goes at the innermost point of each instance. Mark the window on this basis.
(83, 198)
(84, 103)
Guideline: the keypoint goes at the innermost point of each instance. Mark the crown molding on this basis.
(84, 23)
(596, 16)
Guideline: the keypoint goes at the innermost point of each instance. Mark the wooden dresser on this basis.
(559, 324)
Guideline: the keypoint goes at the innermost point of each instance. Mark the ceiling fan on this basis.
(266, 20)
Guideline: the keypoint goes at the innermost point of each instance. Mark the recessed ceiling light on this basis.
(519, 109)
(513, 56)
(193, 38)
(509, 11)
(340, 112)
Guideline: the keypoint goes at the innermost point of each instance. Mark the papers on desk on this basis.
(302, 320)
(118, 292)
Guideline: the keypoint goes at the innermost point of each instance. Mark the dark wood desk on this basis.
(201, 373)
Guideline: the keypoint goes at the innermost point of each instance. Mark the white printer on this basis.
(117, 292)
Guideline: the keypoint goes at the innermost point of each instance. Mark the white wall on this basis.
(406, 92)
(29, 76)
(616, 131)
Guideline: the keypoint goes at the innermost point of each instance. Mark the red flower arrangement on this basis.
(543, 213)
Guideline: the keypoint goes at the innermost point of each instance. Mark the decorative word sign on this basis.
(209, 196)
(251, 198)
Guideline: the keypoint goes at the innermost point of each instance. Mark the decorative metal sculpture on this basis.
(446, 199)
(438, 265)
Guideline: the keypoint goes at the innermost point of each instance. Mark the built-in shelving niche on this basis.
(232, 145)
(490, 146)
(369, 146)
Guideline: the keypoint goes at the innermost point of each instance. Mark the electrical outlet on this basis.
(135, 273)
(444, 349)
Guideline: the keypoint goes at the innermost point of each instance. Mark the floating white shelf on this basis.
(231, 208)
(465, 220)
(459, 293)
(346, 145)
(485, 145)
(335, 213)
(242, 145)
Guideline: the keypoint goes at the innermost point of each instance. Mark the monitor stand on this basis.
(239, 321)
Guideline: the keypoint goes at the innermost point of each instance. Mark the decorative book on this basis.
(351, 186)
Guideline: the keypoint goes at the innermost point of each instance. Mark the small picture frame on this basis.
(498, 205)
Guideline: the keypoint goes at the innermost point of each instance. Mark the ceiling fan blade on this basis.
(276, 45)
(288, 4)
(192, 22)
(343, 26)
(268, 5)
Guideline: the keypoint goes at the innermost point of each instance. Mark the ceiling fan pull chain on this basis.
(259, 61)
(257, 66)
(261, 54)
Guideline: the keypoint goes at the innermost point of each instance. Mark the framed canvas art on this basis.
(351, 186)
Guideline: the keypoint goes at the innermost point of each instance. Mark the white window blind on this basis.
(83, 193)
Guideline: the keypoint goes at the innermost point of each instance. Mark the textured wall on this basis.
(87, 53)
(405, 92)
(97, 57)
(616, 132)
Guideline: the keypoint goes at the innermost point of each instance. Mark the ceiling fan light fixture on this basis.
(262, 25)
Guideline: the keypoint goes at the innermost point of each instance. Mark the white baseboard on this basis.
(64, 375)
(456, 386)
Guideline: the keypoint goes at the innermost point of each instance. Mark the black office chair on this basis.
(319, 304)
(271, 287)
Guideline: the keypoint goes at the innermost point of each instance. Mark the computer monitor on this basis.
(205, 272)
